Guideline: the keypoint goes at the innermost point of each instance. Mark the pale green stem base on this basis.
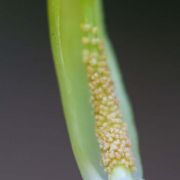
(120, 173)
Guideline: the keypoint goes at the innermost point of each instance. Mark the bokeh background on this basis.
(34, 144)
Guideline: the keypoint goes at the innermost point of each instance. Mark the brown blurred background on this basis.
(34, 144)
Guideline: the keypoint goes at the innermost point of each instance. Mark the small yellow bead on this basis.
(85, 40)
(95, 41)
(85, 27)
(95, 30)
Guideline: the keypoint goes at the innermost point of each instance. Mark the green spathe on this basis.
(65, 19)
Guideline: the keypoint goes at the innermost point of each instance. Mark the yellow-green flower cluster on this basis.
(111, 130)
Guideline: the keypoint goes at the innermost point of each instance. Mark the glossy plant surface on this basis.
(66, 18)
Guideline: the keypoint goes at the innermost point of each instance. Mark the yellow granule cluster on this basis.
(111, 130)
